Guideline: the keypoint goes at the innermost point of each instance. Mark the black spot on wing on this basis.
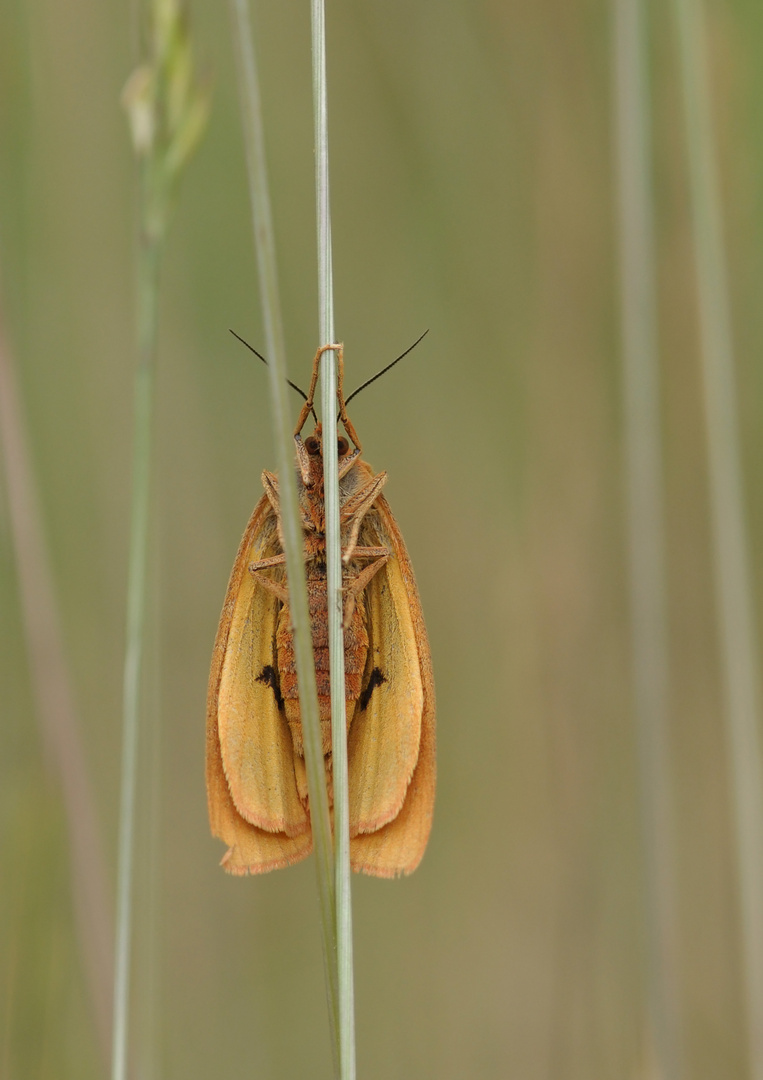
(269, 676)
(376, 679)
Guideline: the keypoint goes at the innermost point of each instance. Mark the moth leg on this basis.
(347, 462)
(371, 553)
(381, 557)
(276, 587)
(356, 508)
(355, 587)
(348, 425)
(280, 591)
(302, 460)
(362, 500)
(308, 406)
(310, 395)
(270, 484)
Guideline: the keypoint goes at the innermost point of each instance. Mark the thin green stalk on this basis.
(167, 112)
(333, 553)
(733, 578)
(292, 528)
(148, 288)
(643, 478)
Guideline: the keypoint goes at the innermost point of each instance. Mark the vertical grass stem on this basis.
(333, 552)
(733, 578)
(167, 112)
(148, 285)
(643, 480)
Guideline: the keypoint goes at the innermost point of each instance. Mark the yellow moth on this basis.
(256, 779)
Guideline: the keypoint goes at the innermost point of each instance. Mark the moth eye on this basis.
(312, 445)
(343, 446)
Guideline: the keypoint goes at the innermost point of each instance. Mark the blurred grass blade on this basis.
(333, 551)
(167, 112)
(264, 243)
(55, 706)
(136, 585)
(643, 479)
(733, 578)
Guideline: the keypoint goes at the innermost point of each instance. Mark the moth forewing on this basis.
(253, 803)
(255, 744)
(396, 847)
(254, 851)
(386, 724)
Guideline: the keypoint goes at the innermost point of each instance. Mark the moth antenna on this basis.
(383, 371)
(294, 386)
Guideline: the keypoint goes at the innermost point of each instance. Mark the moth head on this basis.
(310, 457)
(314, 444)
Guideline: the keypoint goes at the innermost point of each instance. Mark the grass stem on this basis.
(167, 112)
(333, 554)
(733, 578)
(645, 498)
(147, 319)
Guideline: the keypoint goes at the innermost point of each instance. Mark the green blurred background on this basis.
(473, 191)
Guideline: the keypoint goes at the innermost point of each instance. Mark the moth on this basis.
(256, 779)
